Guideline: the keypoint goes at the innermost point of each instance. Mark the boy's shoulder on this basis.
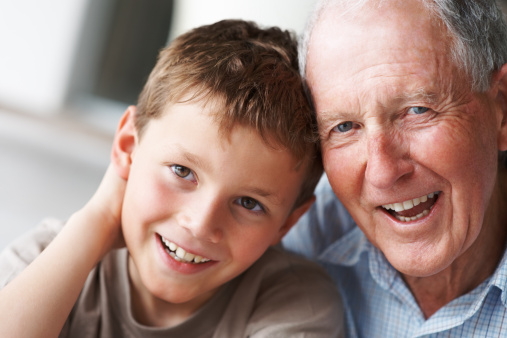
(279, 295)
(277, 262)
(286, 273)
(285, 295)
(17, 255)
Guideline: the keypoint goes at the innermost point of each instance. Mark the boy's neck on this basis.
(150, 310)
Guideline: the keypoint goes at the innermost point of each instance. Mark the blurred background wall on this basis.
(68, 69)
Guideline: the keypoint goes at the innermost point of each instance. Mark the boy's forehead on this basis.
(222, 117)
(229, 130)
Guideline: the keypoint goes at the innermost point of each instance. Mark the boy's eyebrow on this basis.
(195, 160)
(269, 195)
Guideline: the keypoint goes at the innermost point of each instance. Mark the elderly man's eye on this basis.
(344, 127)
(417, 110)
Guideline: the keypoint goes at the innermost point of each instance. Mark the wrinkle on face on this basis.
(372, 73)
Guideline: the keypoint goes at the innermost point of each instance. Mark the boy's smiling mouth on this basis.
(180, 254)
(413, 209)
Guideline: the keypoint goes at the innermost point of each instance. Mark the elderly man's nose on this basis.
(387, 161)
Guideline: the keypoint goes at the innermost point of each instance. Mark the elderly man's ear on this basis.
(499, 88)
(124, 143)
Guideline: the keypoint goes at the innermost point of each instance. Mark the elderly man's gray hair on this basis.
(477, 26)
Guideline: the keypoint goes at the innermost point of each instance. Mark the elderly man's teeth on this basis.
(413, 218)
(407, 205)
(180, 254)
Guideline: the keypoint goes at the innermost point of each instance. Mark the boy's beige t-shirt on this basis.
(279, 296)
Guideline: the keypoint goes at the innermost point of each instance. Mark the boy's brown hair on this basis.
(254, 74)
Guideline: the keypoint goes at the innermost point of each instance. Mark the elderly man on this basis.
(411, 101)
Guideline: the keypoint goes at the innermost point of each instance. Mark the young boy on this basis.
(214, 165)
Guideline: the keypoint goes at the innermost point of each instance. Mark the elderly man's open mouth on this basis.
(413, 209)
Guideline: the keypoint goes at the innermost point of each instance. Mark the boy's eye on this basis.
(182, 172)
(249, 203)
(344, 127)
(417, 110)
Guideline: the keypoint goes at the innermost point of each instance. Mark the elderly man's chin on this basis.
(419, 259)
(427, 248)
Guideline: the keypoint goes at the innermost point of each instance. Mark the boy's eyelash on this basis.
(240, 200)
(177, 169)
(183, 172)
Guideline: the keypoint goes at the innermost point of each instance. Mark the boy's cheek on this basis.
(146, 202)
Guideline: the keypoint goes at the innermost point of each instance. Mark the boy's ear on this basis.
(293, 218)
(124, 143)
(500, 81)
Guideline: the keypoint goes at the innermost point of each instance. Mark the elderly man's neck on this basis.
(473, 266)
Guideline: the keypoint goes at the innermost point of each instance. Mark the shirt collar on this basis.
(386, 275)
(499, 278)
(346, 250)
(452, 314)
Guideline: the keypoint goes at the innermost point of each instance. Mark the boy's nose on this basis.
(202, 219)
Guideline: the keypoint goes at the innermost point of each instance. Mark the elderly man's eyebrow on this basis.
(420, 94)
(328, 117)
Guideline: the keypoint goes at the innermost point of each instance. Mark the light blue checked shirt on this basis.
(377, 301)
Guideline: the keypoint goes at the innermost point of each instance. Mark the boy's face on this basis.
(194, 194)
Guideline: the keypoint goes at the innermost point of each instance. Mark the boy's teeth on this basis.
(409, 204)
(189, 257)
(181, 255)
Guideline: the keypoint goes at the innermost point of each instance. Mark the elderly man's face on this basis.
(401, 130)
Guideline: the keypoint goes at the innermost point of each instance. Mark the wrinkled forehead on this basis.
(391, 20)
(381, 58)
(373, 33)
(351, 8)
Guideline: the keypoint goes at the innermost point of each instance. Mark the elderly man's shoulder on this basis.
(322, 226)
